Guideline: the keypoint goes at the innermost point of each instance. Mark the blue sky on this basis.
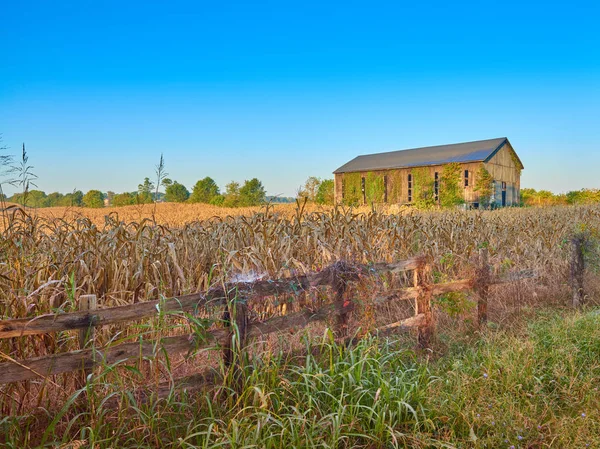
(285, 90)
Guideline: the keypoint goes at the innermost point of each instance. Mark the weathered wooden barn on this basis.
(394, 177)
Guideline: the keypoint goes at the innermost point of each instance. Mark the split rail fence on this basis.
(233, 297)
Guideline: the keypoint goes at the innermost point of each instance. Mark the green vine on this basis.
(394, 186)
(484, 185)
(423, 188)
(516, 161)
(375, 188)
(450, 192)
(352, 195)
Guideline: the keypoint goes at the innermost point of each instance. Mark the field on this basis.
(529, 380)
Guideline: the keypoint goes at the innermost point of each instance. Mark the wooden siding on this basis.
(501, 166)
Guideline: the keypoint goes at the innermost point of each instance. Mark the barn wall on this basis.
(504, 169)
(397, 182)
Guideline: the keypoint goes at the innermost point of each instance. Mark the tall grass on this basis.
(533, 389)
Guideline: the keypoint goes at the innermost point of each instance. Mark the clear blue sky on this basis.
(285, 90)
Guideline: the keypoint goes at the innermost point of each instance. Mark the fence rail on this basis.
(232, 297)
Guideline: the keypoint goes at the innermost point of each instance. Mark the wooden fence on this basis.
(232, 297)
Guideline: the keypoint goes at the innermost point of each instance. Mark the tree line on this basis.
(206, 190)
(532, 197)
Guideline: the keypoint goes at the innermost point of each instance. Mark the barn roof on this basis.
(478, 151)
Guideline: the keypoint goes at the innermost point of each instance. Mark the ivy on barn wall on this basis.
(484, 186)
(375, 187)
(450, 192)
(352, 189)
(423, 188)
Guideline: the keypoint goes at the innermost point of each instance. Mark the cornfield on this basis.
(47, 262)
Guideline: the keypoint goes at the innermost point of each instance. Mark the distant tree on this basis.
(123, 199)
(74, 199)
(484, 185)
(145, 191)
(32, 198)
(310, 188)
(176, 193)
(252, 193)
(94, 198)
(167, 182)
(232, 194)
(204, 191)
(325, 194)
(54, 199)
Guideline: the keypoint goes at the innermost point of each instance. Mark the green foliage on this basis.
(33, 198)
(352, 189)
(532, 388)
(124, 199)
(93, 198)
(374, 188)
(583, 196)
(74, 199)
(176, 193)
(395, 186)
(145, 192)
(205, 191)
(310, 189)
(232, 194)
(484, 185)
(450, 193)
(532, 197)
(325, 193)
(217, 200)
(423, 184)
(252, 193)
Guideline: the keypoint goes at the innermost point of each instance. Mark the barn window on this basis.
(343, 187)
(364, 191)
(409, 187)
(466, 178)
(503, 186)
(385, 188)
(436, 186)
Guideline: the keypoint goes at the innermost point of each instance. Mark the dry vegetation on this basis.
(51, 257)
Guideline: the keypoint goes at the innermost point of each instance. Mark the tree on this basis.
(74, 199)
(145, 191)
(325, 193)
(232, 194)
(450, 192)
(204, 191)
(93, 198)
(310, 188)
(123, 199)
(252, 193)
(176, 193)
(484, 185)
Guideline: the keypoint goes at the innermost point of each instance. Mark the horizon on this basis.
(281, 93)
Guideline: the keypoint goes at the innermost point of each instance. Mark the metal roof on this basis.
(478, 151)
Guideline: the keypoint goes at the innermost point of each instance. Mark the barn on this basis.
(419, 174)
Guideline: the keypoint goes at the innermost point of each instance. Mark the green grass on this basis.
(529, 389)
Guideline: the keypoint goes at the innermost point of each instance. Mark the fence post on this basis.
(235, 312)
(87, 303)
(482, 283)
(423, 305)
(578, 269)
